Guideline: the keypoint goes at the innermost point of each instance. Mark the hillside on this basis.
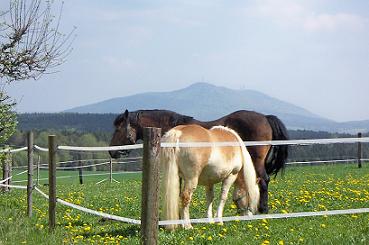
(207, 102)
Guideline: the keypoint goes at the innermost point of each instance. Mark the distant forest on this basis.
(96, 130)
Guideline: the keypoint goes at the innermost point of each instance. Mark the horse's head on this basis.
(245, 206)
(125, 133)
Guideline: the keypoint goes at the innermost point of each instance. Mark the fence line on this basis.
(203, 220)
(4, 180)
(265, 216)
(90, 211)
(204, 144)
(325, 161)
(9, 150)
(84, 175)
(149, 205)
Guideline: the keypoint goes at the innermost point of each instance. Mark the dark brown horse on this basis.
(249, 125)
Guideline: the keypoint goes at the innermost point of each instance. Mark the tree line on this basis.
(82, 134)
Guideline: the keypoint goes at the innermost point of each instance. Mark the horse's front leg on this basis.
(186, 197)
(209, 201)
(226, 185)
(263, 180)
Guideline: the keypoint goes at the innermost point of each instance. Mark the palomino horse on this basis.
(249, 125)
(205, 166)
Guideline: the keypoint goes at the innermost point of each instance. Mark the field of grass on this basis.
(302, 188)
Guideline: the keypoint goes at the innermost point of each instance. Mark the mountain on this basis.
(207, 102)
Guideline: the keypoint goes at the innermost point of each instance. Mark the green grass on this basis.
(305, 188)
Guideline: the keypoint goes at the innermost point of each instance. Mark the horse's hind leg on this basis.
(226, 185)
(186, 196)
(209, 200)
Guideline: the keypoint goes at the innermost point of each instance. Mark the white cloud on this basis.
(118, 64)
(333, 22)
(301, 14)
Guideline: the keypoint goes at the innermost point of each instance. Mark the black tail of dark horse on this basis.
(278, 154)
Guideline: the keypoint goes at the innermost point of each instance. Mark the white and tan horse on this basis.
(206, 166)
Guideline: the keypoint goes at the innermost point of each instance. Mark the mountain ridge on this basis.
(205, 101)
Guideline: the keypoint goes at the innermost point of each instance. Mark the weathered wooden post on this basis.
(111, 170)
(80, 173)
(5, 175)
(359, 152)
(10, 172)
(150, 186)
(6, 169)
(38, 170)
(30, 172)
(52, 182)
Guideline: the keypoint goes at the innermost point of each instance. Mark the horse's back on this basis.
(210, 164)
(191, 159)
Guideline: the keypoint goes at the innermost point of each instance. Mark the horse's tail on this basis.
(170, 179)
(278, 154)
(249, 174)
(250, 178)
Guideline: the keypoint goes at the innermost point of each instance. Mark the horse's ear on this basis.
(126, 114)
(138, 116)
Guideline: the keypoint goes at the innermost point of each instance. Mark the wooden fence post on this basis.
(111, 170)
(52, 182)
(80, 173)
(10, 166)
(359, 152)
(30, 173)
(38, 170)
(6, 171)
(150, 186)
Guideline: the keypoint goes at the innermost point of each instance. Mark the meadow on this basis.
(300, 188)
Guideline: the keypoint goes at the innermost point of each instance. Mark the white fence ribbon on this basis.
(4, 180)
(271, 142)
(207, 220)
(14, 186)
(103, 148)
(266, 216)
(93, 212)
(41, 148)
(8, 150)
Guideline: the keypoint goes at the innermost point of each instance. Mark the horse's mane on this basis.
(157, 115)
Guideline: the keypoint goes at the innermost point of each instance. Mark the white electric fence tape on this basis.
(207, 220)
(8, 150)
(103, 148)
(265, 216)
(204, 144)
(41, 148)
(4, 180)
(271, 142)
(93, 212)
(14, 186)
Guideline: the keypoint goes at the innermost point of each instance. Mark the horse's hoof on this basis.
(187, 227)
(263, 210)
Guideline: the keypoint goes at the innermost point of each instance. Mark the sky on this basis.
(312, 53)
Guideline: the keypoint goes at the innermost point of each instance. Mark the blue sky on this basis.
(314, 53)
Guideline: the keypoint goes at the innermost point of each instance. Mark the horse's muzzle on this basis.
(118, 154)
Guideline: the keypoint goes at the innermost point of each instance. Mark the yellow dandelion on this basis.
(210, 238)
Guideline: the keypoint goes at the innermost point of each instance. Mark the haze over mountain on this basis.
(207, 102)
